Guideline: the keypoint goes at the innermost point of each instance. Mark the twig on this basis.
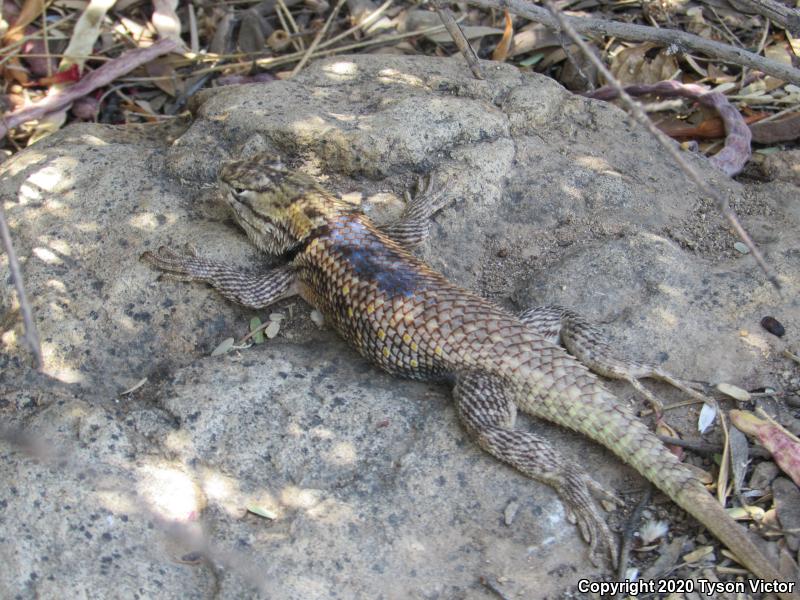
(627, 532)
(637, 112)
(31, 335)
(642, 33)
(783, 16)
(317, 39)
(707, 449)
(462, 43)
(102, 76)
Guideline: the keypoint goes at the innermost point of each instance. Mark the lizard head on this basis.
(276, 206)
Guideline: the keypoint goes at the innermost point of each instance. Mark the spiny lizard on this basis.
(412, 322)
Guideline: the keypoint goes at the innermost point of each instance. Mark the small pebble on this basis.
(741, 247)
(774, 326)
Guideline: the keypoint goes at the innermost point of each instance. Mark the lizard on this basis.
(412, 322)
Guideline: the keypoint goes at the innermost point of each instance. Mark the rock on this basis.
(373, 483)
(763, 474)
(787, 504)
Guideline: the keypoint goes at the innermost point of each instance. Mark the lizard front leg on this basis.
(488, 412)
(413, 226)
(587, 342)
(253, 291)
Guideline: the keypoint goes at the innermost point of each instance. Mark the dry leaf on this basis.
(164, 75)
(224, 347)
(784, 447)
(166, 20)
(85, 34)
(645, 63)
(698, 554)
(734, 392)
(504, 45)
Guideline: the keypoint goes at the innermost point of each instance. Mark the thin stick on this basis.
(637, 112)
(31, 335)
(317, 39)
(783, 16)
(462, 43)
(642, 33)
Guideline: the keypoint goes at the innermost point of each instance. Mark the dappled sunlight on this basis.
(46, 179)
(395, 76)
(92, 140)
(23, 160)
(55, 367)
(343, 118)
(597, 164)
(179, 442)
(312, 126)
(302, 498)
(572, 191)
(28, 194)
(150, 222)
(666, 318)
(342, 453)
(341, 70)
(46, 255)
(118, 502)
(169, 492)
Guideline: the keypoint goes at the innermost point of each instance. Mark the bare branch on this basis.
(668, 37)
(31, 335)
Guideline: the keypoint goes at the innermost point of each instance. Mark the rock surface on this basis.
(374, 488)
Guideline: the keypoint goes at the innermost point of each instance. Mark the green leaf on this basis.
(255, 325)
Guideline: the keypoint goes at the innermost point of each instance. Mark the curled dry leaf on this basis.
(707, 416)
(500, 53)
(784, 447)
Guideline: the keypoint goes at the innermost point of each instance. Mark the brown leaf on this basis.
(785, 129)
(645, 63)
(504, 45)
(30, 10)
(164, 75)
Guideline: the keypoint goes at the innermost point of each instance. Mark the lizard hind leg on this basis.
(485, 406)
(587, 342)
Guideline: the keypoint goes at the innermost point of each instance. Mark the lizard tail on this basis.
(702, 506)
(615, 427)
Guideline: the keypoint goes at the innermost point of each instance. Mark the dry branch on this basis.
(687, 42)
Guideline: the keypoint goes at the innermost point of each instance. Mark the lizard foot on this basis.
(428, 197)
(186, 266)
(575, 491)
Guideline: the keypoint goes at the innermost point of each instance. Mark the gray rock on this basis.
(763, 474)
(787, 505)
(376, 490)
